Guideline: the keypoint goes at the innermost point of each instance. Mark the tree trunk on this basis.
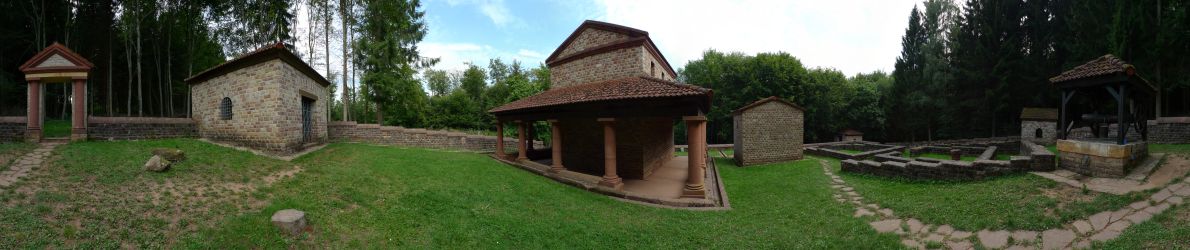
(140, 100)
(109, 74)
(343, 13)
(169, 81)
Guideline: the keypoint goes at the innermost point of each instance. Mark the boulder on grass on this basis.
(290, 221)
(171, 154)
(157, 164)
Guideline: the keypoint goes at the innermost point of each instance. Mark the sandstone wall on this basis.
(591, 38)
(609, 65)
(139, 128)
(266, 107)
(294, 85)
(770, 132)
(422, 138)
(939, 170)
(642, 144)
(1049, 132)
(12, 128)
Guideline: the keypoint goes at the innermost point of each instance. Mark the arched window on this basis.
(1037, 133)
(652, 69)
(225, 109)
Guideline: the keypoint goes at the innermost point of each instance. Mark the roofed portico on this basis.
(56, 64)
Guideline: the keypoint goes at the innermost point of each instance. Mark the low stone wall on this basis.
(1170, 130)
(1040, 158)
(869, 150)
(940, 170)
(1005, 144)
(12, 128)
(413, 137)
(1101, 159)
(140, 128)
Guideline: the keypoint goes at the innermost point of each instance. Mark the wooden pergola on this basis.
(56, 64)
(1131, 94)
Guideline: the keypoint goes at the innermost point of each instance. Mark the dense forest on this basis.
(966, 69)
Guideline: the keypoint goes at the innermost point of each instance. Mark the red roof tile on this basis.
(1104, 65)
(611, 90)
(264, 54)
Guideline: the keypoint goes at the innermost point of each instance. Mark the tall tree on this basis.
(387, 46)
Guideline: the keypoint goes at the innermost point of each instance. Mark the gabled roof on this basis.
(767, 100)
(80, 64)
(1104, 65)
(636, 37)
(1102, 70)
(275, 51)
(611, 90)
(1039, 114)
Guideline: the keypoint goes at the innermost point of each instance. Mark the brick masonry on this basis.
(642, 145)
(767, 133)
(140, 128)
(12, 128)
(266, 109)
(412, 137)
(1040, 132)
(620, 63)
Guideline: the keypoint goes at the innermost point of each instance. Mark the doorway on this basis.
(307, 120)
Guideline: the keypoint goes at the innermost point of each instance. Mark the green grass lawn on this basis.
(95, 195)
(10, 151)
(1165, 231)
(363, 196)
(55, 128)
(1020, 201)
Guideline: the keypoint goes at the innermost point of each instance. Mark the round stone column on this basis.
(697, 159)
(610, 179)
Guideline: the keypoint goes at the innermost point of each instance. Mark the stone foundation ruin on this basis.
(889, 160)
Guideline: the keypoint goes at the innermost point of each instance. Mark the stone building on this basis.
(612, 108)
(769, 130)
(267, 100)
(851, 135)
(1039, 125)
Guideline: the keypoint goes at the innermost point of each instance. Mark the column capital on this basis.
(606, 120)
(694, 118)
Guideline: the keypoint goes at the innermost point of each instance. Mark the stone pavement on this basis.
(1079, 234)
(1143, 177)
(21, 167)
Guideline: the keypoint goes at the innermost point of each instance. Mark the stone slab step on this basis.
(1142, 171)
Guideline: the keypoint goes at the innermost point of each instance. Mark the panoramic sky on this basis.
(849, 35)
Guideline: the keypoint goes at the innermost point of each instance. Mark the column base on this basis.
(556, 168)
(78, 134)
(33, 135)
(612, 182)
(699, 192)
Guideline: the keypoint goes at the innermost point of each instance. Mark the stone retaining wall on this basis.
(412, 137)
(1006, 144)
(1170, 130)
(12, 128)
(1040, 158)
(138, 128)
(869, 150)
(940, 170)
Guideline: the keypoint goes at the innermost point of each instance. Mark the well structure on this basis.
(1105, 153)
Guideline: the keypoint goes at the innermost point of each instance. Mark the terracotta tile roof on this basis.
(766, 100)
(264, 54)
(611, 90)
(1039, 114)
(1104, 65)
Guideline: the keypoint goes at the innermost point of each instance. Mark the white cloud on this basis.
(850, 35)
(495, 10)
(455, 56)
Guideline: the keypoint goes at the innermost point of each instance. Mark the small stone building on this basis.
(1039, 125)
(851, 135)
(268, 100)
(767, 131)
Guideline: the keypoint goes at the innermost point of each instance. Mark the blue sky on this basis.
(852, 36)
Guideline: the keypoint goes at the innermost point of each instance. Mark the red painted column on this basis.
(610, 179)
(33, 112)
(697, 160)
(556, 146)
(520, 146)
(78, 128)
(500, 139)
